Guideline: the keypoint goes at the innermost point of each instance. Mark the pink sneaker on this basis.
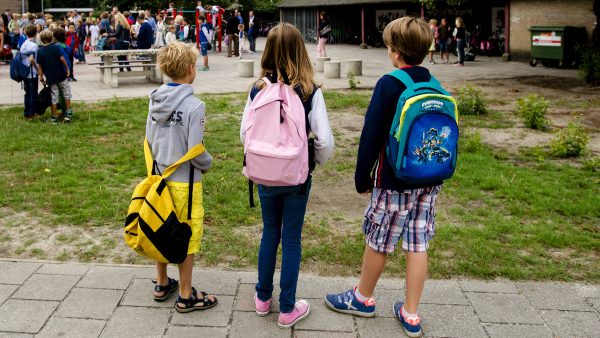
(262, 308)
(301, 311)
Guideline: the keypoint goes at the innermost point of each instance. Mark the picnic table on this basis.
(146, 62)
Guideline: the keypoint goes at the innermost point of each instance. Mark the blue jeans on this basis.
(31, 93)
(283, 210)
(81, 51)
(460, 45)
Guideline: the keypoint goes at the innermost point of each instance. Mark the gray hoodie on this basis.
(176, 124)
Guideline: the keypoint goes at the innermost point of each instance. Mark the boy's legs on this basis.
(185, 276)
(30, 96)
(416, 274)
(372, 267)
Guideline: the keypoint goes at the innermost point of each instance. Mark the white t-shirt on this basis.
(94, 31)
(29, 47)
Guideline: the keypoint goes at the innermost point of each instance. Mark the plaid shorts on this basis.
(409, 214)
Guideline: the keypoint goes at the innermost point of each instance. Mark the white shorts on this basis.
(65, 89)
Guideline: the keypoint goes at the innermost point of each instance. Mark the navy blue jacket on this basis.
(145, 36)
(372, 166)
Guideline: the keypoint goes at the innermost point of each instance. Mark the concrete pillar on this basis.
(245, 68)
(354, 66)
(320, 63)
(332, 69)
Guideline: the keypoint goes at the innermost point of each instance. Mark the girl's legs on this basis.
(460, 44)
(206, 61)
(271, 204)
(294, 208)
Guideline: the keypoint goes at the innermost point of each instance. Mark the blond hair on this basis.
(433, 22)
(460, 22)
(410, 37)
(175, 59)
(121, 20)
(46, 36)
(285, 49)
(179, 19)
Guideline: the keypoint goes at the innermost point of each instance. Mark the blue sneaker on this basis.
(412, 326)
(345, 302)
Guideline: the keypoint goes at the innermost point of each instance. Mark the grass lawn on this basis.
(64, 191)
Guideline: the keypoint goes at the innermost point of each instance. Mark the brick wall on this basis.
(527, 13)
(14, 5)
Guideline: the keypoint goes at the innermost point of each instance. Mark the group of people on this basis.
(239, 40)
(443, 35)
(400, 214)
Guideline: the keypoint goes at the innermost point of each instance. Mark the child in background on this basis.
(30, 49)
(94, 34)
(205, 37)
(434, 32)
(54, 71)
(175, 124)
(171, 36)
(244, 48)
(102, 40)
(283, 208)
(398, 210)
(71, 47)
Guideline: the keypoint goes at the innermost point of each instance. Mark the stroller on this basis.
(6, 54)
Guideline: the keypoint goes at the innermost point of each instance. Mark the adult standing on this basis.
(144, 36)
(444, 40)
(460, 34)
(239, 16)
(105, 22)
(113, 13)
(252, 31)
(82, 36)
(151, 21)
(123, 36)
(324, 33)
(161, 29)
(233, 45)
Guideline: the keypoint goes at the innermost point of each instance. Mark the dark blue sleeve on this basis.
(378, 122)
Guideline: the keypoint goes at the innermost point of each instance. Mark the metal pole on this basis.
(22, 6)
(362, 17)
(42, 6)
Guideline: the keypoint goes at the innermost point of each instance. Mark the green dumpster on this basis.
(556, 45)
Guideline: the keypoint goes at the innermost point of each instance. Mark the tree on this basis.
(436, 4)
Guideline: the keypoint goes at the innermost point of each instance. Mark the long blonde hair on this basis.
(121, 20)
(285, 49)
(460, 22)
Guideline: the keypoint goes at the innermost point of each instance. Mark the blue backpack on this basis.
(18, 71)
(422, 145)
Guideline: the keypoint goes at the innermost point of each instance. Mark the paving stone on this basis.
(140, 294)
(64, 269)
(145, 322)
(553, 296)
(517, 331)
(503, 308)
(16, 272)
(571, 323)
(484, 286)
(595, 302)
(385, 299)
(245, 299)
(317, 288)
(104, 277)
(379, 327)
(323, 319)
(217, 316)
(46, 287)
(587, 291)
(450, 321)
(175, 331)
(6, 291)
(150, 272)
(249, 325)
(322, 334)
(72, 327)
(26, 316)
(443, 292)
(15, 335)
(215, 282)
(90, 303)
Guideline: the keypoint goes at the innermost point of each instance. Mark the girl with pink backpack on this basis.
(285, 131)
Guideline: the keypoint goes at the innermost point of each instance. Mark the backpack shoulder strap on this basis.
(195, 151)
(403, 77)
(148, 157)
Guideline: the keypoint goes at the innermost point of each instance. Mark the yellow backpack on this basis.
(152, 228)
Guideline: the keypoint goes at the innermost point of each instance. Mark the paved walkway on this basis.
(222, 78)
(45, 299)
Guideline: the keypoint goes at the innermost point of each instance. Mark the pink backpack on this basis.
(276, 142)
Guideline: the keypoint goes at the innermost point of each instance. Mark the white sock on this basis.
(405, 314)
(359, 296)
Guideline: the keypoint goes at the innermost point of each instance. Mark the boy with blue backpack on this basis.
(407, 149)
(29, 49)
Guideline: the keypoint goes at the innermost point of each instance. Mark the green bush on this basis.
(592, 164)
(471, 101)
(470, 142)
(533, 109)
(570, 141)
(590, 65)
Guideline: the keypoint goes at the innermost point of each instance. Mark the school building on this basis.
(362, 21)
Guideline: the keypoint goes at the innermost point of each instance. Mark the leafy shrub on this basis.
(533, 109)
(592, 164)
(471, 101)
(570, 141)
(590, 65)
(353, 82)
